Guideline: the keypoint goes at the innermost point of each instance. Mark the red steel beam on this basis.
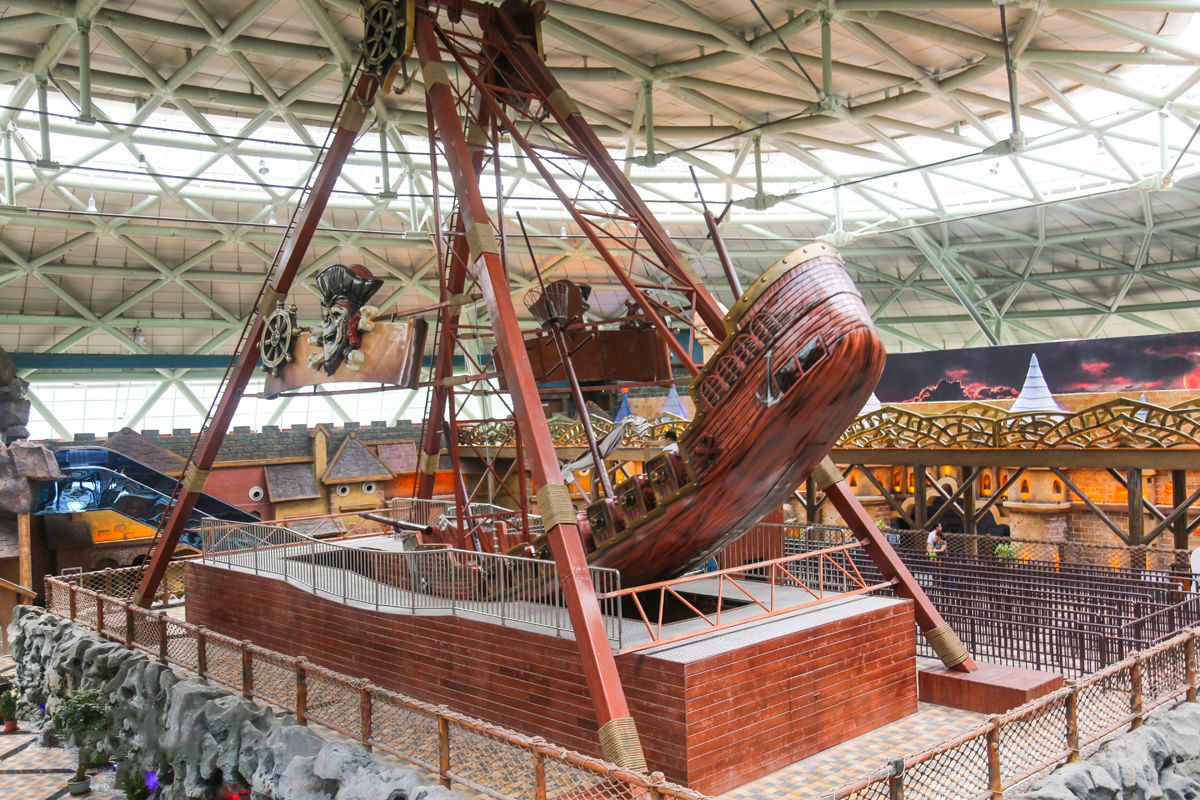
(939, 633)
(618, 737)
(191, 484)
(522, 54)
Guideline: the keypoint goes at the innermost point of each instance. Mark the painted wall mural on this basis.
(1129, 364)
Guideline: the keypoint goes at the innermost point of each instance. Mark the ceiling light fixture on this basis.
(139, 338)
(271, 217)
(91, 206)
(263, 169)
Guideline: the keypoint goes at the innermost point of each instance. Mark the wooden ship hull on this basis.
(800, 361)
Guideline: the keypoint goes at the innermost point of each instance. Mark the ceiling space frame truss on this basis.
(857, 127)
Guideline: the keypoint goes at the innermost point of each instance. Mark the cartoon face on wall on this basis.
(345, 317)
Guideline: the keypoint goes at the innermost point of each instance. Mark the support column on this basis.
(937, 631)
(1137, 520)
(618, 736)
(1179, 528)
(919, 489)
(968, 499)
(44, 161)
(85, 74)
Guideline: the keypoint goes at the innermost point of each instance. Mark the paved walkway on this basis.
(29, 772)
(851, 760)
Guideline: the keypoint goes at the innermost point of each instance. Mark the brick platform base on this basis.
(992, 689)
(713, 712)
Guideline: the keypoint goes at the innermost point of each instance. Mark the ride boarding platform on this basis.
(729, 675)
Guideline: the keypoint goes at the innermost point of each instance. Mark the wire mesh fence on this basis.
(495, 761)
(1003, 753)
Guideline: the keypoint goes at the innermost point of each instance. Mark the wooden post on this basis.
(71, 601)
(968, 507)
(919, 507)
(1179, 528)
(24, 550)
(652, 786)
(539, 769)
(995, 779)
(444, 750)
(247, 669)
(1190, 653)
(896, 780)
(201, 651)
(99, 613)
(1073, 722)
(1135, 693)
(810, 502)
(162, 637)
(364, 711)
(1137, 520)
(302, 690)
(129, 630)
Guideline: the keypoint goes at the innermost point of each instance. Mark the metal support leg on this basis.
(938, 632)
(191, 484)
(618, 736)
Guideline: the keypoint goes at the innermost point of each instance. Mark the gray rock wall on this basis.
(1158, 761)
(210, 737)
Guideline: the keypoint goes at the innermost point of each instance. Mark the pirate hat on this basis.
(354, 284)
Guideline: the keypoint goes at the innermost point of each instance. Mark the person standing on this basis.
(935, 544)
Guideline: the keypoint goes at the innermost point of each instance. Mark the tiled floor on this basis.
(29, 772)
(858, 757)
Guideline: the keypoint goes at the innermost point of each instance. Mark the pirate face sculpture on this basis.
(344, 316)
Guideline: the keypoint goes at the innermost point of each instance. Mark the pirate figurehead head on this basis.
(344, 292)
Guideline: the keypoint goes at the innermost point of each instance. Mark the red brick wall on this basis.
(713, 723)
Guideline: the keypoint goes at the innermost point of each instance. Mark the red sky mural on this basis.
(1130, 364)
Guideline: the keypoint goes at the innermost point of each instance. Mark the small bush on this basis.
(133, 783)
(1007, 551)
(8, 704)
(81, 715)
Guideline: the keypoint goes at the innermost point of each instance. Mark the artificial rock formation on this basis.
(1158, 761)
(14, 408)
(206, 738)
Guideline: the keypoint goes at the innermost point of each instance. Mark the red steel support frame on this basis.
(618, 736)
(937, 631)
(191, 485)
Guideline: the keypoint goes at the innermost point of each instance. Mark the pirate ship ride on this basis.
(797, 355)
(800, 360)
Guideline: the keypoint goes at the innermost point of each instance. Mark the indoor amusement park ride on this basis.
(797, 354)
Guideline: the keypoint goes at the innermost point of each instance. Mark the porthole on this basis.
(368, 488)
(257, 493)
(343, 490)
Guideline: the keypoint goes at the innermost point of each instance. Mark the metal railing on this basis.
(822, 575)
(488, 758)
(1067, 617)
(426, 512)
(510, 589)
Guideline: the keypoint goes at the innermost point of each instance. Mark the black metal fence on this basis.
(1062, 617)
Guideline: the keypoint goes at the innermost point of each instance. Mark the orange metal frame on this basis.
(777, 574)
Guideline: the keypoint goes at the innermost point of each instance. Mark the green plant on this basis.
(82, 715)
(133, 783)
(8, 704)
(1007, 551)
